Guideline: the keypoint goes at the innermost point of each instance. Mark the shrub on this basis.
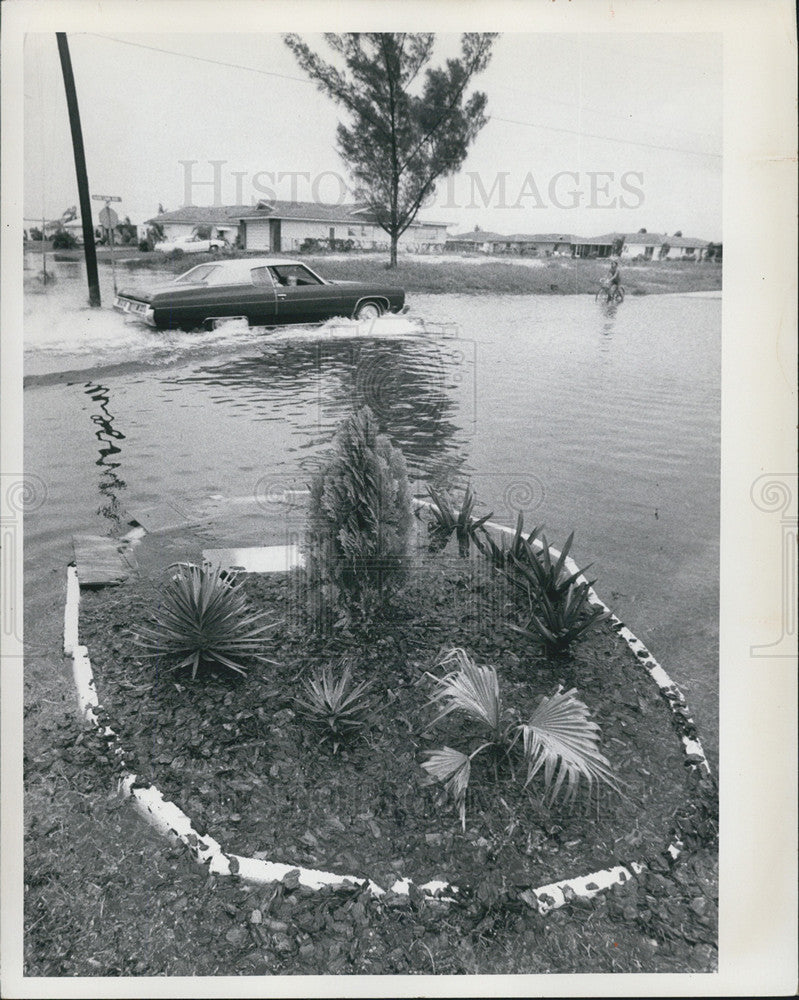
(204, 618)
(445, 521)
(559, 739)
(560, 609)
(340, 710)
(359, 517)
(176, 253)
(64, 240)
(144, 246)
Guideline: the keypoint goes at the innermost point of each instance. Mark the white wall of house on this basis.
(630, 250)
(294, 232)
(680, 253)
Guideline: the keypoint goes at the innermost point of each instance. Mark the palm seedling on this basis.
(338, 708)
(447, 521)
(204, 618)
(559, 738)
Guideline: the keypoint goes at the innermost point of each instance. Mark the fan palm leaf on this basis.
(563, 740)
(473, 690)
(453, 769)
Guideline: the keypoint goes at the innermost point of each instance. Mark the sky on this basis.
(588, 133)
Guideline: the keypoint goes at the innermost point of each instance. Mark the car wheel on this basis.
(213, 248)
(369, 310)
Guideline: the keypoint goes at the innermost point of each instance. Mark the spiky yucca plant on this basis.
(560, 622)
(360, 515)
(340, 710)
(559, 737)
(204, 618)
(501, 555)
(446, 521)
(560, 609)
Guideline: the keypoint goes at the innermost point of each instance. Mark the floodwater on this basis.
(599, 420)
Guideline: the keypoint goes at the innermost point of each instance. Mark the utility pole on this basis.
(80, 170)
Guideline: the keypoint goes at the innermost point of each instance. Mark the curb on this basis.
(172, 822)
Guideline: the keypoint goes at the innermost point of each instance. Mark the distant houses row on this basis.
(646, 246)
(290, 226)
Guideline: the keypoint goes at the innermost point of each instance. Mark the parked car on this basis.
(191, 244)
(267, 291)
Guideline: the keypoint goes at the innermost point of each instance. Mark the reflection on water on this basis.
(410, 384)
(110, 484)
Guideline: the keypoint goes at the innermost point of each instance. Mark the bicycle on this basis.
(614, 295)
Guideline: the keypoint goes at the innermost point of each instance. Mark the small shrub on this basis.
(359, 517)
(560, 622)
(64, 240)
(560, 609)
(501, 555)
(176, 253)
(446, 521)
(340, 710)
(204, 619)
(144, 246)
(559, 739)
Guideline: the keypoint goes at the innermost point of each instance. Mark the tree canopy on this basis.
(408, 124)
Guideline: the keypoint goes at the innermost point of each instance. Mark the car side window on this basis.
(261, 276)
(293, 274)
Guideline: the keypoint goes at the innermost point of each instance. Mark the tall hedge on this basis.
(360, 516)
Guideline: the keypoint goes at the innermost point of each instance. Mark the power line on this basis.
(187, 55)
(509, 121)
(606, 138)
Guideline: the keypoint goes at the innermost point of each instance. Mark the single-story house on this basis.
(541, 244)
(646, 245)
(477, 241)
(596, 246)
(285, 226)
(223, 221)
(684, 248)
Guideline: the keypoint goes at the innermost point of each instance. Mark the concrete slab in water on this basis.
(260, 559)
(164, 516)
(103, 561)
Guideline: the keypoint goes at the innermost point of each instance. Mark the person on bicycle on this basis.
(614, 281)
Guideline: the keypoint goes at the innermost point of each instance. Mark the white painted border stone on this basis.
(171, 821)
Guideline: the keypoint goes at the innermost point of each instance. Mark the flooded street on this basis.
(587, 419)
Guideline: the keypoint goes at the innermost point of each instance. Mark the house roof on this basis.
(644, 239)
(307, 211)
(607, 240)
(478, 236)
(685, 241)
(540, 238)
(200, 215)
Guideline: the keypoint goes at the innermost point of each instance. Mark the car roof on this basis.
(240, 267)
(247, 262)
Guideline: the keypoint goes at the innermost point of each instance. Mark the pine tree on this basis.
(402, 135)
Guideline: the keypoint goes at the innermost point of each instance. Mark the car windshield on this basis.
(203, 274)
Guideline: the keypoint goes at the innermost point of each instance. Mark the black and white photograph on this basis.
(399, 505)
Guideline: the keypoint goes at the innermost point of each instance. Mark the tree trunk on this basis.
(393, 258)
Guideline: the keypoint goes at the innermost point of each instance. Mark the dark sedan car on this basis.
(267, 291)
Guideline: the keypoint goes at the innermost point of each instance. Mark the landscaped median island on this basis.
(448, 707)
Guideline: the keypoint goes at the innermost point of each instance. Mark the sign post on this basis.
(109, 219)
